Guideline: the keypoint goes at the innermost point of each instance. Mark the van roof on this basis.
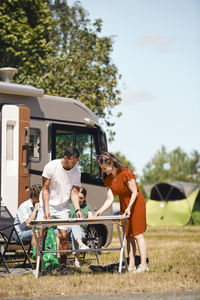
(46, 107)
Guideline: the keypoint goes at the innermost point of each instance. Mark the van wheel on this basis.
(94, 239)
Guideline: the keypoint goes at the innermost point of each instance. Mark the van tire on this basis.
(97, 237)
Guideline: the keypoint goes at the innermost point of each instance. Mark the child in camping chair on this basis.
(27, 212)
(77, 232)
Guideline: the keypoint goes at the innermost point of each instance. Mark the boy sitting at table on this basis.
(77, 232)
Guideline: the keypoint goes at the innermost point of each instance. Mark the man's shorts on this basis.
(64, 214)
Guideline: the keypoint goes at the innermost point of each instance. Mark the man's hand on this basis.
(47, 214)
(79, 214)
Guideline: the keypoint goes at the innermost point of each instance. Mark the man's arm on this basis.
(75, 201)
(45, 196)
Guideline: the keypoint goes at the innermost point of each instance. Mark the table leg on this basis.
(38, 253)
(39, 250)
(122, 252)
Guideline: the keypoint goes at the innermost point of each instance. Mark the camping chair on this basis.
(91, 241)
(4, 262)
(7, 228)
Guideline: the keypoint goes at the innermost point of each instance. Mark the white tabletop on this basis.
(72, 221)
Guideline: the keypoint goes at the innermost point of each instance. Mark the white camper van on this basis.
(36, 128)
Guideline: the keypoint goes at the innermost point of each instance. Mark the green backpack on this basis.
(50, 259)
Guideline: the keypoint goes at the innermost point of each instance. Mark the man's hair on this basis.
(35, 190)
(72, 151)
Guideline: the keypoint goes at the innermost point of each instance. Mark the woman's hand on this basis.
(127, 212)
(97, 213)
(133, 188)
(107, 203)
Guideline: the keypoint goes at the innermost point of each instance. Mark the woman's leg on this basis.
(131, 248)
(142, 248)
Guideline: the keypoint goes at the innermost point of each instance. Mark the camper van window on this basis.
(63, 140)
(87, 162)
(35, 142)
(87, 140)
(103, 142)
(9, 142)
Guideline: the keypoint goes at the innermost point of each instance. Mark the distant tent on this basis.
(172, 203)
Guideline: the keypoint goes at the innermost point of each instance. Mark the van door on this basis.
(15, 134)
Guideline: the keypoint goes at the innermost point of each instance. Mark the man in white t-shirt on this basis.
(61, 182)
(27, 212)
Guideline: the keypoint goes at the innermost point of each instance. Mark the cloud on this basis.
(158, 42)
(133, 97)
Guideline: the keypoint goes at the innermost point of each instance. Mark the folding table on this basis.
(78, 221)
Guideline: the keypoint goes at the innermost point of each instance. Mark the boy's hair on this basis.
(35, 190)
(83, 191)
(72, 151)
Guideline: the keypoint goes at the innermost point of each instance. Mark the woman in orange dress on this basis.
(122, 182)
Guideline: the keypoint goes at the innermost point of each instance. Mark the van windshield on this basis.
(88, 141)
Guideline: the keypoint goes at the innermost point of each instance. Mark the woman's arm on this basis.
(90, 214)
(107, 203)
(133, 188)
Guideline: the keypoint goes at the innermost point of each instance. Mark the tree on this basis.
(173, 166)
(57, 48)
(123, 159)
(82, 68)
(25, 27)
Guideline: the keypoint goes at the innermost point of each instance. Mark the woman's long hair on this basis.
(108, 158)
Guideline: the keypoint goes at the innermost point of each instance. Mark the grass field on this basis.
(174, 254)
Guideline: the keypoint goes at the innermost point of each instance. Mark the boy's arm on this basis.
(32, 216)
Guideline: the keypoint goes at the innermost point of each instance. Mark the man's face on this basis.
(69, 163)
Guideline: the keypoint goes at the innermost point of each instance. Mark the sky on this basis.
(156, 48)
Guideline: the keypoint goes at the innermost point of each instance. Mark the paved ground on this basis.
(15, 271)
(188, 295)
